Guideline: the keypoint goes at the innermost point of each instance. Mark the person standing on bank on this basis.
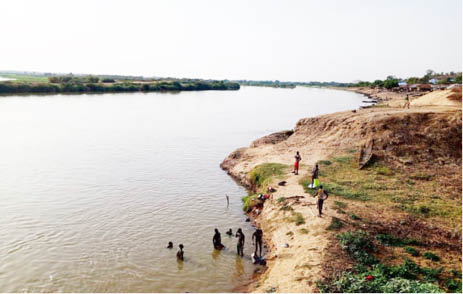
(322, 196)
(315, 172)
(296, 163)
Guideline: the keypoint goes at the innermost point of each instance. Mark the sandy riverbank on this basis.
(298, 267)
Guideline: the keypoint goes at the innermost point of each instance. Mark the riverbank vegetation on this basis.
(259, 177)
(24, 84)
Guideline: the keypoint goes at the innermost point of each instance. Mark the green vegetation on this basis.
(303, 231)
(249, 202)
(382, 279)
(431, 256)
(412, 251)
(281, 199)
(263, 174)
(388, 240)
(298, 219)
(355, 217)
(324, 162)
(24, 78)
(359, 246)
(383, 170)
(51, 83)
(335, 224)
(340, 204)
(72, 86)
(373, 276)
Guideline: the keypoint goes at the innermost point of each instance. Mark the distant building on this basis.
(434, 81)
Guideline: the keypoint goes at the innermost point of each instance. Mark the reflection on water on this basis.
(94, 186)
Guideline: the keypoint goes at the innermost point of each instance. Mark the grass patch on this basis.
(324, 162)
(412, 251)
(303, 231)
(263, 174)
(385, 171)
(298, 219)
(286, 208)
(345, 191)
(281, 199)
(342, 159)
(249, 202)
(431, 256)
(340, 204)
(388, 240)
(420, 177)
(355, 217)
(335, 224)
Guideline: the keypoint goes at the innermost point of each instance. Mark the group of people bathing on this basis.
(320, 193)
(217, 243)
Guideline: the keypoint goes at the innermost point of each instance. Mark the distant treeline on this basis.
(91, 84)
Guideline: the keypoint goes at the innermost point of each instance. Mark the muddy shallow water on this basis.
(94, 186)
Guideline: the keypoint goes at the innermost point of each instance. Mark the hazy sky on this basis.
(342, 40)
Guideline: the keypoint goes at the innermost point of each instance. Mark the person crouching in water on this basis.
(180, 252)
(217, 240)
(296, 163)
(322, 196)
(240, 245)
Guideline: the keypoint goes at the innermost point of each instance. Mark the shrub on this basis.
(454, 285)
(324, 162)
(355, 217)
(412, 251)
(281, 199)
(303, 231)
(359, 246)
(431, 256)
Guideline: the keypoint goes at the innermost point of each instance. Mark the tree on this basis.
(391, 83)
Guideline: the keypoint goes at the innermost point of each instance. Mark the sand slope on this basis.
(436, 98)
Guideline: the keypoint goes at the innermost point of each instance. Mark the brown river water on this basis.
(92, 187)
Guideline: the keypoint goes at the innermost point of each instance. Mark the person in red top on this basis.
(296, 163)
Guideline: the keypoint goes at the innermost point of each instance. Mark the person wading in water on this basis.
(180, 252)
(322, 196)
(217, 240)
(257, 235)
(296, 163)
(240, 245)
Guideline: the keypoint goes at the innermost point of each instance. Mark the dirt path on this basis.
(297, 267)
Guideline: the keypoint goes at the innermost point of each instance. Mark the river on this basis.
(93, 186)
